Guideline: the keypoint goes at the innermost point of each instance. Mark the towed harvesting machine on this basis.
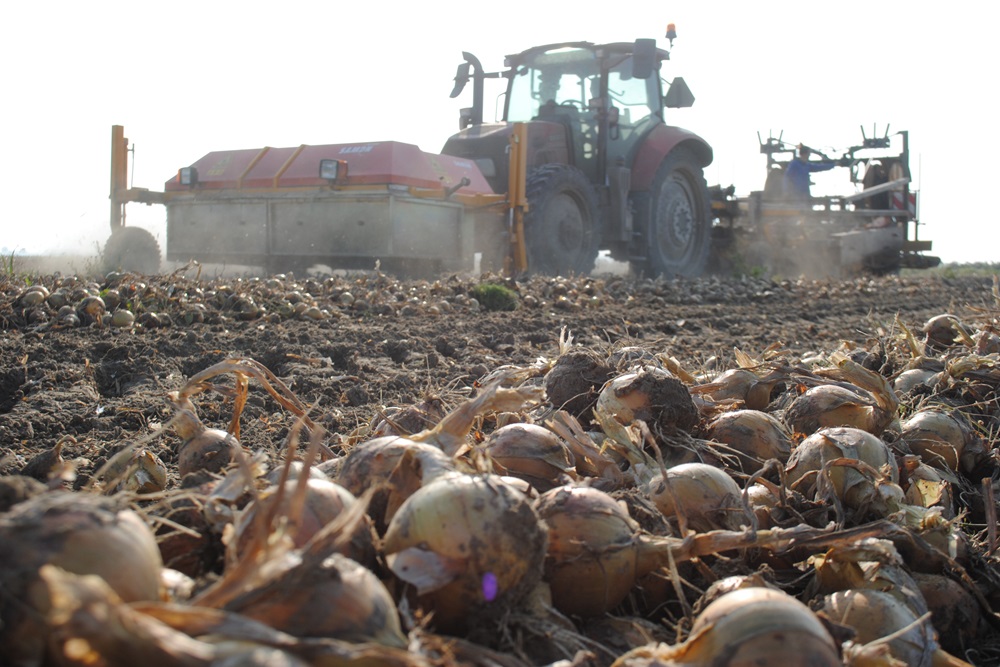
(581, 161)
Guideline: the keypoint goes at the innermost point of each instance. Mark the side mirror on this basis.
(679, 96)
(643, 58)
(461, 78)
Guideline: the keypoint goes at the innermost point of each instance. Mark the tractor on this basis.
(604, 171)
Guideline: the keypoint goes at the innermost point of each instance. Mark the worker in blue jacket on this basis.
(796, 181)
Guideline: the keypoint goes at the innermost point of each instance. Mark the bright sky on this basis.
(187, 77)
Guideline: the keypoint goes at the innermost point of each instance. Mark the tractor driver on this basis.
(796, 182)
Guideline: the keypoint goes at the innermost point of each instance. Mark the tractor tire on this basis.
(131, 249)
(562, 227)
(675, 217)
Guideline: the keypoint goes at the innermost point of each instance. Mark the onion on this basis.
(987, 342)
(16, 489)
(91, 626)
(136, 471)
(202, 448)
(955, 612)
(929, 487)
(910, 379)
(32, 296)
(762, 500)
(818, 455)
(752, 626)
(739, 385)
(749, 626)
(470, 544)
(592, 560)
(849, 567)
(370, 465)
(337, 598)
(944, 331)
(722, 587)
(700, 496)
(408, 420)
(864, 400)
(757, 436)
(532, 453)
(876, 614)
(830, 405)
(324, 501)
(651, 394)
(942, 440)
(80, 533)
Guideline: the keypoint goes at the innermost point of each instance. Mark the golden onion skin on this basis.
(756, 435)
(854, 488)
(876, 614)
(370, 463)
(471, 545)
(82, 534)
(341, 599)
(651, 394)
(706, 496)
(325, 500)
(759, 626)
(940, 440)
(831, 405)
(211, 450)
(532, 453)
(592, 556)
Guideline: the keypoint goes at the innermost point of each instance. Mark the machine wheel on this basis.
(131, 249)
(562, 227)
(676, 218)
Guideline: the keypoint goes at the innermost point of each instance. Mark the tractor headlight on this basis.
(332, 170)
(187, 176)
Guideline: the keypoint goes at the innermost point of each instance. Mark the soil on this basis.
(354, 347)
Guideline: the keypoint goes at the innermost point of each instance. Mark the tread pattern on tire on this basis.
(695, 261)
(546, 250)
(132, 249)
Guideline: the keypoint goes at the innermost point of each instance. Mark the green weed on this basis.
(494, 297)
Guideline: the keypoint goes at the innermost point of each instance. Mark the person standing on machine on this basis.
(796, 183)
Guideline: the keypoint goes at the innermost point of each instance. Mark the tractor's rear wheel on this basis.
(131, 249)
(562, 227)
(676, 218)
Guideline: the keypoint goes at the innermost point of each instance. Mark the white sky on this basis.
(187, 77)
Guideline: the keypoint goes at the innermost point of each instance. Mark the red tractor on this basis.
(604, 169)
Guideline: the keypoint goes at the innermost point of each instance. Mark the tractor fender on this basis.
(657, 145)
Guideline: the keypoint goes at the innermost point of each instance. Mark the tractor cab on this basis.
(594, 92)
